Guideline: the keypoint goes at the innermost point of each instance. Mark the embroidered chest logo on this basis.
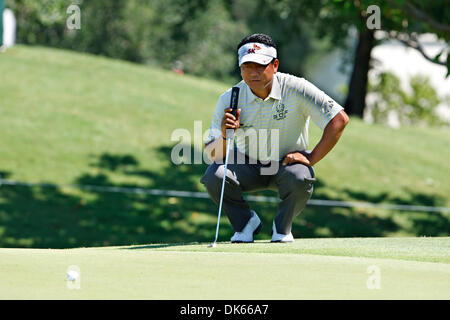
(281, 112)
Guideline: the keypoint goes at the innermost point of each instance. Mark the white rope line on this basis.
(204, 195)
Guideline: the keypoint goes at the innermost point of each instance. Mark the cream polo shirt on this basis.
(278, 122)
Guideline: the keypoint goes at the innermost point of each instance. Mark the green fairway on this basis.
(407, 268)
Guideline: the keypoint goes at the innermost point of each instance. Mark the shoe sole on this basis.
(279, 241)
(255, 232)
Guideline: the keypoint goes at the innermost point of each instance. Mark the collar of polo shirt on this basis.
(275, 92)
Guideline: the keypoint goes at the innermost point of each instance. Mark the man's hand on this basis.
(218, 148)
(298, 157)
(229, 121)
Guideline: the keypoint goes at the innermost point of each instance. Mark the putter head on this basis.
(212, 245)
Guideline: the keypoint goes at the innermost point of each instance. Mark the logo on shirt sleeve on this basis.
(328, 107)
(281, 112)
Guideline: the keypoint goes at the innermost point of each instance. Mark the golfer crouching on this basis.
(271, 133)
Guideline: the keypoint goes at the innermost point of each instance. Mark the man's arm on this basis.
(330, 137)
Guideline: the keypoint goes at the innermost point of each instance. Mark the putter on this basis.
(233, 106)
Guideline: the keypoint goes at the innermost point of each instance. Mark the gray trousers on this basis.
(294, 184)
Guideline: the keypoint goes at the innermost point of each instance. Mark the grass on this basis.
(422, 249)
(70, 118)
(408, 268)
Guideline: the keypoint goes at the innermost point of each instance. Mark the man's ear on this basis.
(276, 63)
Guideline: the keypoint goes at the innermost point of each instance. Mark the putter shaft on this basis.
(229, 140)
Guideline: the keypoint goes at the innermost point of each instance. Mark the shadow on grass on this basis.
(55, 217)
(158, 246)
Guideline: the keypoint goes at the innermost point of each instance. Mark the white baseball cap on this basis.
(256, 52)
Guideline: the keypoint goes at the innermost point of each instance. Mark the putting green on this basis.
(355, 268)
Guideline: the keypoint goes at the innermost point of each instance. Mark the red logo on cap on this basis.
(251, 51)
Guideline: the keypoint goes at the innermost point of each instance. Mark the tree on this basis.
(2, 6)
(200, 33)
(403, 20)
(161, 32)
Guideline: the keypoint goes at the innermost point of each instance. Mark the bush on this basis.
(414, 107)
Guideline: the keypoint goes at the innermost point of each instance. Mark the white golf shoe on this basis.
(252, 227)
(279, 237)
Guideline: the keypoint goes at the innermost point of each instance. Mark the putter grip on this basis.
(234, 100)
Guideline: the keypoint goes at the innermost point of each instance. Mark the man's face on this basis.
(258, 76)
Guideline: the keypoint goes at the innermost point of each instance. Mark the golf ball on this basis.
(72, 275)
